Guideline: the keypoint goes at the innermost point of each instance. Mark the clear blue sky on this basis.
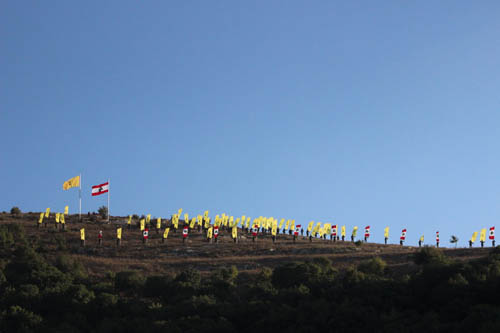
(354, 112)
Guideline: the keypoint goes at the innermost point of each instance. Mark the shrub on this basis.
(15, 210)
(374, 266)
(103, 211)
(429, 255)
(129, 280)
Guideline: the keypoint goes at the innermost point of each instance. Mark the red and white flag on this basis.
(437, 236)
(492, 233)
(403, 235)
(367, 231)
(100, 189)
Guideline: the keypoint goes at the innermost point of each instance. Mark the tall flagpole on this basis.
(80, 195)
(109, 189)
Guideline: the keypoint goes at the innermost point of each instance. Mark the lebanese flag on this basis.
(367, 231)
(492, 233)
(100, 189)
(403, 235)
(437, 236)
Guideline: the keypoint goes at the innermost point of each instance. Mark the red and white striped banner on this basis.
(367, 231)
(492, 233)
(403, 235)
(100, 189)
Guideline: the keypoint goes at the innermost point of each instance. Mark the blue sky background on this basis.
(352, 112)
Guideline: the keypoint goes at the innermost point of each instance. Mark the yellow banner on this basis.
(82, 234)
(57, 217)
(47, 212)
(66, 210)
(386, 232)
(119, 233)
(40, 220)
(354, 231)
(129, 219)
(148, 218)
(73, 182)
(209, 232)
(482, 237)
(143, 222)
(158, 223)
(193, 221)
(474, 236)
(309, 227)
(235, 232)
(61, 218)
(342, 232)
(422, 238)
(165, 234)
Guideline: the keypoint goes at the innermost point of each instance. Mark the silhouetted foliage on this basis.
(39, 294)
(15, 210)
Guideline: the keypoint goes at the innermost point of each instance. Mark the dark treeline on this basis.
(39, 295)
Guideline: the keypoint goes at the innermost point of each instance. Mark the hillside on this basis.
(174, 255)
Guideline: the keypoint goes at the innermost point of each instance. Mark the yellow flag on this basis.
(248, 222)
(235, 232)
(143, 222)
(237, 222)
(354, 231)
(119, 233)
(158, 223)
(482, 237)
(40, 220)
(282, 221)
(186, 218)
(205, 214)
(316, 228)
(292, 226)
(287, 225)
(474, 236)
(386, 232)
(57, 217)
(73, 182)
(61, 218)
(179, 212)
(243, 218)
(342, 231)
(165, 234)
(47, 212)
(199, 220)
(327, 227)
(82, 234)
(66, 210)
(129, 219)
(148, 218)
(193, 221)
(209, 232)
(274, 229)
(207, 222)
(422, 238)
(309, 227)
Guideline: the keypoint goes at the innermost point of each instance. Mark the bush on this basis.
(15, 210)
(374, 266)
(103, 211)
(429, 255)
(129, 280)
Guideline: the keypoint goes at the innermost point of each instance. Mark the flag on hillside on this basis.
(73, 182)
(492, 233)
(482, 235)
(386, 232)
(403, 235)
(100, 189)
(47, 212)
(474, 236)
(66, 210)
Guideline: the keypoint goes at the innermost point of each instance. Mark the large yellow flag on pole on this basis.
(73, 182)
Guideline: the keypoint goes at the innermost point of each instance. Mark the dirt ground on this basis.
(174, 255)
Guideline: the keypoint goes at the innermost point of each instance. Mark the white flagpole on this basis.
(109, 189)
(80, 195)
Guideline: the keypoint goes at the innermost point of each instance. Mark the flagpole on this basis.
(80, 197)
(109, 188)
